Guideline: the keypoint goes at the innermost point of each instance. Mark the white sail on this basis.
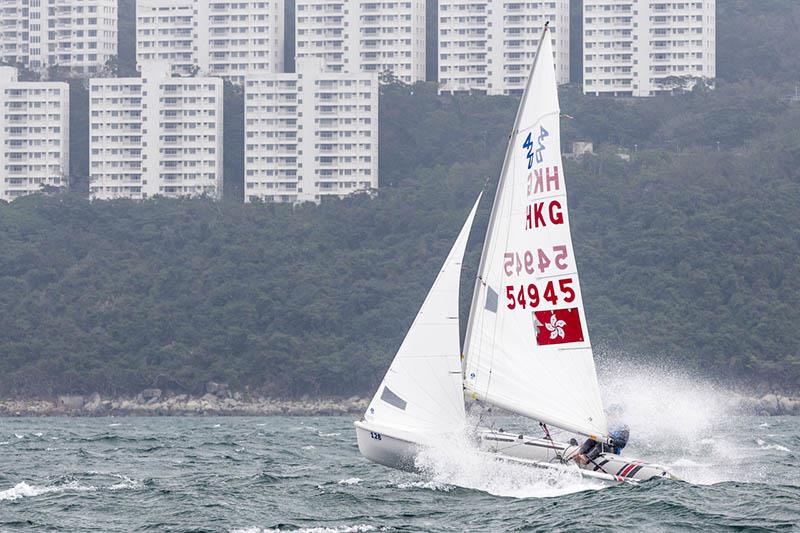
(422, 390)
(527, 345)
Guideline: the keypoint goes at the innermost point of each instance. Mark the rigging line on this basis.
(547, 435)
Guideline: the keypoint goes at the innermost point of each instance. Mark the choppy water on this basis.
(255, 474)
(266, 474)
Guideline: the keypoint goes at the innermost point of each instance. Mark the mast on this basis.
(527, 346)
(487, 240)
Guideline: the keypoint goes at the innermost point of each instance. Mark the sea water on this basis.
(285, 473)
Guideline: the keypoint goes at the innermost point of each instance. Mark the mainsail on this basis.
(422, 390)
(527, 345)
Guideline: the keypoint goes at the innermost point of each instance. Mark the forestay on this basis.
(422, 391)
(527, 347)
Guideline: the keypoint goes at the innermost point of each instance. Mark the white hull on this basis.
(380, 446)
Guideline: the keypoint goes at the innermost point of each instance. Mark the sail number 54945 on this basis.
(530, 260)
(526, 296)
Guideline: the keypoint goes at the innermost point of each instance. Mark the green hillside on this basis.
(689, 252)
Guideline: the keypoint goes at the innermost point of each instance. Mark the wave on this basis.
(69, 484)
(777, 447)
(350, 481)
(23, 490)
(360, 528)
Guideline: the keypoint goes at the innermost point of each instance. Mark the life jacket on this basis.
(619, 438)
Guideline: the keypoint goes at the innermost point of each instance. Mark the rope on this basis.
(548, 437)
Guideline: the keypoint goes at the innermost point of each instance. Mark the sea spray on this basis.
(677, 419)
(457, 461)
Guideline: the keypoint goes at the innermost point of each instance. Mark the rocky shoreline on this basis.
(152, 402)
(218, 401)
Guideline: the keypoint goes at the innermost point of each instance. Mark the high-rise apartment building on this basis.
(310, 134)
(225, 38)
(364, 36)
(155, 135)
(645, 47)
(489, 45)
(34, 135)
(77, 35)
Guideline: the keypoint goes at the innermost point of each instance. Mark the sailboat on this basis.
(526, 348)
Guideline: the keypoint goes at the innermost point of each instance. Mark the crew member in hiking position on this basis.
(618, 438)
(591, 449)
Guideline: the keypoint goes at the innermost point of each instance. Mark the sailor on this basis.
(619, 432)
(591, 449)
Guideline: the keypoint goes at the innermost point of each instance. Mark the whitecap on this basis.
(777, 447)
(39, 434)
(4, 442)
(329, 434)
(23, 490)
(350, 481)
(115, 424)
(764, 425)
(125, 483)
(309, 447)
(217, 425)
(19, 436)
(360, 528)
(429, 485)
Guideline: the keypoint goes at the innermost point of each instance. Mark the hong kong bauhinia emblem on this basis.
(555, 327)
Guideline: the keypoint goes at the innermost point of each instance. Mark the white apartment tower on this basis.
(78, 35)
(645, 47)
(489, 45)
(378, 37)
(310, 134)
(225, 38)
(155, 136)
(34, 135)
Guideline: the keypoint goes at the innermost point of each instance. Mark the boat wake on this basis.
(459, 463)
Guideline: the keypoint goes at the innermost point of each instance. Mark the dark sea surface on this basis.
(286, 473)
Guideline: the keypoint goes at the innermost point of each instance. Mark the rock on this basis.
(769, 404)
(220, 390)
(788, 406)
(94, 403)
(71, 402)
(149, 395)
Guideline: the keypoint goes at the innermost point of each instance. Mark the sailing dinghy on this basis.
(527, 346)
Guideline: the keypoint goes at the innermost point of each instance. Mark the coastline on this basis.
(152, 402)
(179, 405)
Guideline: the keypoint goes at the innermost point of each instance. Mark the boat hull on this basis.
(399, 451)
(380, 447)
(526, 448)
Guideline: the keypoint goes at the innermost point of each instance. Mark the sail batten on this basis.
(527, 346)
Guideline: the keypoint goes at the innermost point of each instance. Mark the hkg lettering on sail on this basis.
(541, 214)
(543, 180)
